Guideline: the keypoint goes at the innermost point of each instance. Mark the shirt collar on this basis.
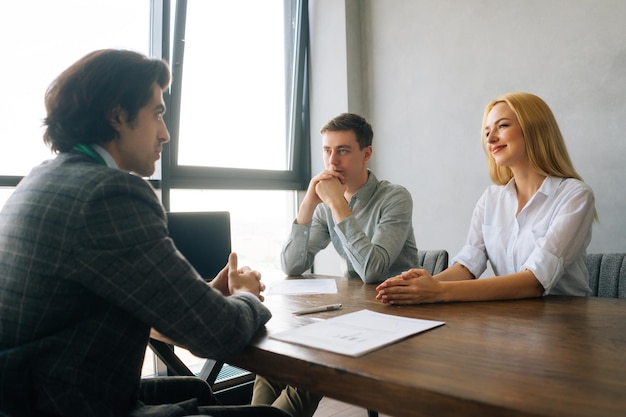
(368, 189)
(548, 187)
(104, 154)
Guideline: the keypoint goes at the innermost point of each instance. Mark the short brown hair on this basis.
(350, 121)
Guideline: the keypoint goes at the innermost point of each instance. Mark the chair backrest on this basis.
(607, 274)
(434, 261)
(203, 238)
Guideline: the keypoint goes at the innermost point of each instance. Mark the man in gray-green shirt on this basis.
(369, 222)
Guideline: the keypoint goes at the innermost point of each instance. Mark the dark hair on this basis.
(350, 121)
(81, 102)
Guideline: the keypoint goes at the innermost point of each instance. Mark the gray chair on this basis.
(434, 261)
(607, 274)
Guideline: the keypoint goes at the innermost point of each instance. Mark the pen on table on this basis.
(318, 309)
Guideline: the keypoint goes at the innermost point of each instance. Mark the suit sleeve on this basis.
(125, 255)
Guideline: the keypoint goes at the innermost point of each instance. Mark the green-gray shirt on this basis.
(377, 240)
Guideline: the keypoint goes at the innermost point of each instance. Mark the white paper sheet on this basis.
(302, 286)
(357, 333)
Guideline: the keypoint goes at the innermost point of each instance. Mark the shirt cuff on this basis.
(546, 267)
(473, 259)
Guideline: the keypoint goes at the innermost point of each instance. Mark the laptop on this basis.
(203, 238)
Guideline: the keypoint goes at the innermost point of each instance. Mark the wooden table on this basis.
(553, 356)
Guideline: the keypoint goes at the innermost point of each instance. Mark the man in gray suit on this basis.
(87, 269)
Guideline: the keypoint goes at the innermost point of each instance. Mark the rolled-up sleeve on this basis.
(304, 242)
(546, 267)
(561, 240)
(473, 255)
(473, 259)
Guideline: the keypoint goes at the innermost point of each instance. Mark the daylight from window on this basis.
(38, 42)
(233, 95)
(233, 100)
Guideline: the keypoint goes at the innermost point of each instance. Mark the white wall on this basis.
(422, 71)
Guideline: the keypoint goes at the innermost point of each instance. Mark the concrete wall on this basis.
(422, 71)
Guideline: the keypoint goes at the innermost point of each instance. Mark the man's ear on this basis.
(367, 153)
(117, 117)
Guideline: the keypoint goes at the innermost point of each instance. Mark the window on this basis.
(235, 61)
(236, 118)
(237, 108)
(239, 115)
(260, 221)
(39, 40)
(239, 121)
(238, 90)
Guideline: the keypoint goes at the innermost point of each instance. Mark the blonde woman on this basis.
(533, 225)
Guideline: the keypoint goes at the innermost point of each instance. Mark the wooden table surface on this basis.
(551, 356)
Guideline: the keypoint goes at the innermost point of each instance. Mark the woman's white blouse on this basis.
(549, 236)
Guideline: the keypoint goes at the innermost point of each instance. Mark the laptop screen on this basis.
(203, 238)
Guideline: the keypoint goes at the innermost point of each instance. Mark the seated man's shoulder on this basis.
(387, 187)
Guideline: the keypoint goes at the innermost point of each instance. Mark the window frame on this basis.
(296, 177)
(175, 176)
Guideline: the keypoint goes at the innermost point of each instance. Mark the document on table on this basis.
(302, 286)
(357, 333)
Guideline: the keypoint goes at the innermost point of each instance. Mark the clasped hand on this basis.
(329, 189)
(231, 279)
(415, 286)
(324, 185)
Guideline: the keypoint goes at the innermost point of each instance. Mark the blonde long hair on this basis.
(544, 142)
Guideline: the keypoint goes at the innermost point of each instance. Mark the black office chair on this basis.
(173, 390)
(204, 239)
